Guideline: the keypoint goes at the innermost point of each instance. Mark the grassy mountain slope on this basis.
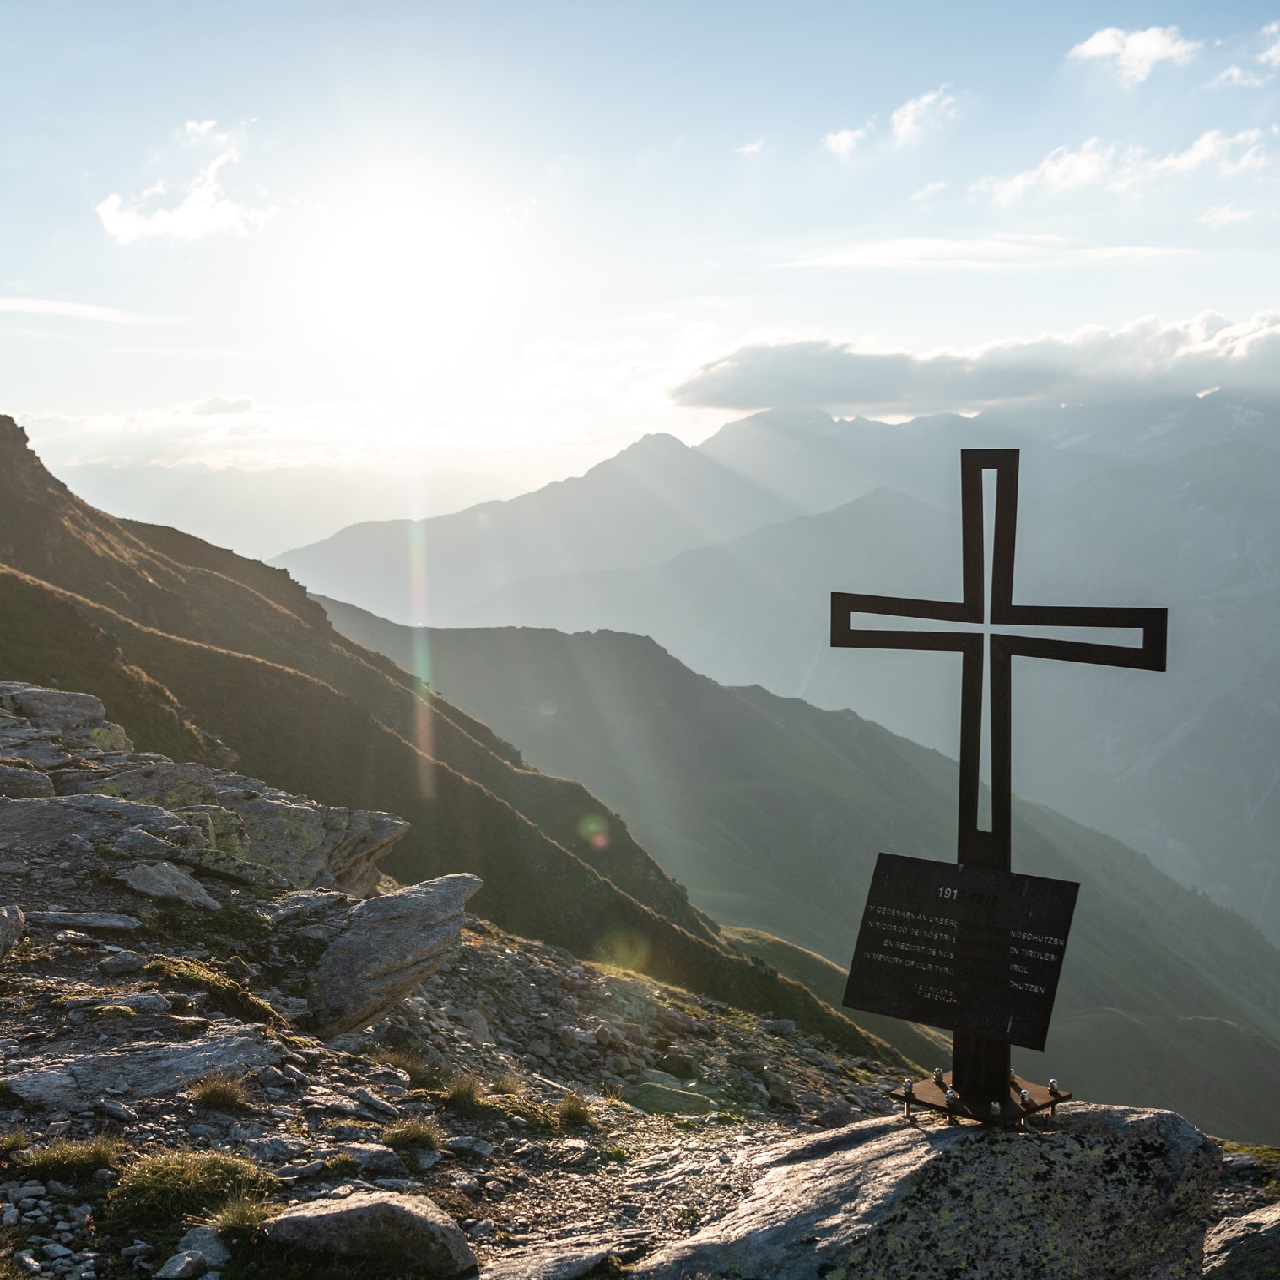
(771, 812)
(182, 640)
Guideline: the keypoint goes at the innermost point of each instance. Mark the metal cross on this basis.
(978, 1059)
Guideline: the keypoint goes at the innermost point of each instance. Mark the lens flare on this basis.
(624, 948)
(594, 829)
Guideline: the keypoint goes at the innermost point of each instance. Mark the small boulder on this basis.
(13, 925)
(1244, 1248)
(164, 880)
(661, 1099)
(378, 1223)
(23, 783)
(387, 946)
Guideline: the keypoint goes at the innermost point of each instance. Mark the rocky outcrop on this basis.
(13, 926)
(1109, 1191)
(378, 1224)
(136, 1070)
(386, 946)
(75, 775)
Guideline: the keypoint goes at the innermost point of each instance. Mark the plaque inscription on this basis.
(967, 948)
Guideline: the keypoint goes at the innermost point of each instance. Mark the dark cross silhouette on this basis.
(980, 1065)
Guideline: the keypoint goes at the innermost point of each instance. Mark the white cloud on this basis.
(1110, 167)
(751, 148)
(1238, 78)
(1223, 215)
(1147, 357)
(222, 404)
(929, 190)
(204, 209)
(980, 253)
(1270, 56)
(1135, 54)
(72, 310)
(844, 142)
(922, 115)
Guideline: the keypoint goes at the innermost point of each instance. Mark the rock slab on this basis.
(373, 1223)
(387, 946)
(1106, 1191)
(1245, 1248)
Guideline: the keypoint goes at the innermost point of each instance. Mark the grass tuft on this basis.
(343, 1165)
(222, 1091)
(65, 1158)
(507, 1083)
(158, 1190)
(465, 1094)
(574, 1112)
(12, 1140)
(415, 1134)
(240, 1218)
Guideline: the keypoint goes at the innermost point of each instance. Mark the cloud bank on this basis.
(1147, 357)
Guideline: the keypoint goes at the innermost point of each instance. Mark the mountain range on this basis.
(206, 655)
(1165, 502)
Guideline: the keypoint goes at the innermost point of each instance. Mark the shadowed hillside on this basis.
(183, 640)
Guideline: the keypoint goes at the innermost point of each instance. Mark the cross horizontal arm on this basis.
(1149, 656)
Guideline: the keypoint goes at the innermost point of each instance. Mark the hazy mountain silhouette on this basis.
(771, 812)
(656, 498)
(1180, 765)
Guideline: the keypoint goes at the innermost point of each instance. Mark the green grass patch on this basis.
(12, 1140)
(507, 1084)
(222, 1091)
(115, 1011)
(225, 994)
(415, 1134)
(160, 1190)
(343, 1165)
(239, 1221)
(466, 1094)
(573, 1111)
(614, 1152)
(71, 1159)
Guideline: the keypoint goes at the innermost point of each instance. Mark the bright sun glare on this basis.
(402, 277)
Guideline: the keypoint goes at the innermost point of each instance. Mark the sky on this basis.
(504, 240)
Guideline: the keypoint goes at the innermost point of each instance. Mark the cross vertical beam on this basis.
(981, 1065)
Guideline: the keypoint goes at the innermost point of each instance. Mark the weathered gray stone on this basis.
(1107, 1191)
(376, 1223)
(207, 1241)
(660, 1099)
(21, 784)
(139, 1070)
(51, 708)
(387, 946)
(376, 1158)
(183, 1266)
(13, 926)
(164, 880)
(96, 921)
(1245, 1248)
(569, 1259)
(121, 963)
(43, 823)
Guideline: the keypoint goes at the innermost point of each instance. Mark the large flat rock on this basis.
(1103, 1191)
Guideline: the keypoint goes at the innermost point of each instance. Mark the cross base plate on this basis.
(931, 1096)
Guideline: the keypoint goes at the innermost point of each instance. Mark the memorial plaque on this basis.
(962, 947)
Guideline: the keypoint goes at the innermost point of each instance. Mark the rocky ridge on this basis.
(391, 1068)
